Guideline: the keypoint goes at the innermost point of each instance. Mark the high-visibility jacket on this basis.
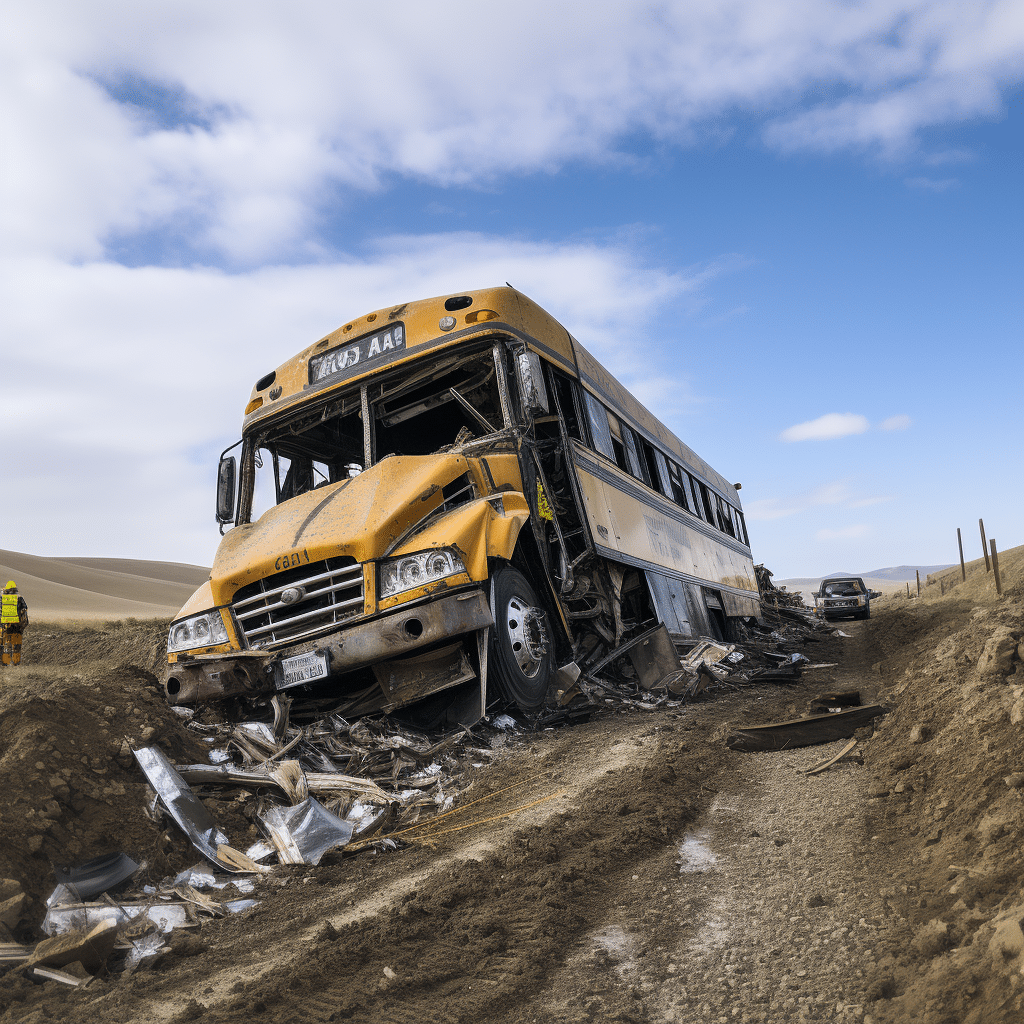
(9, 612)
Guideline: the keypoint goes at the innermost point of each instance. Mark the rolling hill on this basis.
(100, 588)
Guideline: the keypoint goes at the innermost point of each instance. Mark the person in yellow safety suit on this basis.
(13, 620)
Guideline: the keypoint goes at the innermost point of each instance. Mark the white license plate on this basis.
(302, 668)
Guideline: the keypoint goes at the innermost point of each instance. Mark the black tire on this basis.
(521, 660)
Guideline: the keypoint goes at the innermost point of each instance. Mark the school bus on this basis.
(435, 506)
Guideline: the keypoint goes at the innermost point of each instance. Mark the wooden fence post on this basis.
(908, 589)
(918, 574)
(995, 567)
(960, 545)
(984, 545)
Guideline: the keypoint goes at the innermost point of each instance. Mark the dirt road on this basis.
(654, 875)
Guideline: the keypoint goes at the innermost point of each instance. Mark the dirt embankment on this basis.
(666, 878)
(948, 790)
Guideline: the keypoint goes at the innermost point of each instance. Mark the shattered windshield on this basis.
(418, 411)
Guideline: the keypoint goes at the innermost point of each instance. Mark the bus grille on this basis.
(330, 591)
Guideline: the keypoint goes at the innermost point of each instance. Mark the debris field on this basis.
(608, 858)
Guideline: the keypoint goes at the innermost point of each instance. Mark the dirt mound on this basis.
(948, 765)
(139, 642)
(71, 789)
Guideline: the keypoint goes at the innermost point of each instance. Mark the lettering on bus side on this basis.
(291, 560)
(667, 540)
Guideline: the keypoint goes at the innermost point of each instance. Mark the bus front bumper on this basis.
(390, 636)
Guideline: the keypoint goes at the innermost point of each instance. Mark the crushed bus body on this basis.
(435, 506)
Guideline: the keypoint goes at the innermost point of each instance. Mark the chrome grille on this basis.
(327, 593)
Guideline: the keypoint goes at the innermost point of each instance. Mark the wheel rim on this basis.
(527, 635)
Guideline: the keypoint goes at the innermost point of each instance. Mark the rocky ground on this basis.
(654, 875)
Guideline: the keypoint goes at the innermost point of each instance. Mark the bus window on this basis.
(677, 482)
(703, 500)
(648, 462)
(631, 441)
(567, 396)
(741, 528)
(416, 413)
(664, 484)
(597, 419)
(618, 444)
(724, 519)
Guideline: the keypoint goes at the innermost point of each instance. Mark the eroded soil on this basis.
(656, 876)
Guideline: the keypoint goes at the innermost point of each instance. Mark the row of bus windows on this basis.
(635, 455)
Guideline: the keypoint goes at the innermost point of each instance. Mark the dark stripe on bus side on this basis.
(664, 505)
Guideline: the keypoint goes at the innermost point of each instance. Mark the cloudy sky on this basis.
(793, 227)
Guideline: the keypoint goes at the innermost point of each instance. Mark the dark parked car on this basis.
(845, 595)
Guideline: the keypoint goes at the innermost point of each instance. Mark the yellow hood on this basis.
(359, 517)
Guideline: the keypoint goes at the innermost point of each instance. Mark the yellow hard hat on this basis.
(11, 585)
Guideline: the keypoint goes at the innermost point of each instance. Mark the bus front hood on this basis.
(360, 517)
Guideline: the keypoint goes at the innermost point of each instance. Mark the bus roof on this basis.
(406, 332)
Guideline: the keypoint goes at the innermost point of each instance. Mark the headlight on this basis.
(411, 571)
(198, 631)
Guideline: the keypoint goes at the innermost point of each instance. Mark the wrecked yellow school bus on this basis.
(439, 503)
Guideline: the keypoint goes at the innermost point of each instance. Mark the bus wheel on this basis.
(521, 648)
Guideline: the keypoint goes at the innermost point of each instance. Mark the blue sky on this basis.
(793, 228)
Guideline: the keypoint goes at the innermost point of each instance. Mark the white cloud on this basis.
(125, 383)
(831, 425)
(900, 422)
(837, 492)
(281, 105)
(843, 532)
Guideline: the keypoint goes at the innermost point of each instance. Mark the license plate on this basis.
(302, 668)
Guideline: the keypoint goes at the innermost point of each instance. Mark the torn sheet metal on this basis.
(182, 804)
(97, 875)
(259, 851)
(708, 652)
(653, 656)
(304, 833)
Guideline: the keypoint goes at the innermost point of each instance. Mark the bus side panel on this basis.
(669, 597)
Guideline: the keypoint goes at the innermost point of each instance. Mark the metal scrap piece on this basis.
(97, 875)
(803, 732)
(84, 916)
(304, 833)
(187, 810)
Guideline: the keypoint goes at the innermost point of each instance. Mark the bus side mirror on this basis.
(531, 382)
(226, 473)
